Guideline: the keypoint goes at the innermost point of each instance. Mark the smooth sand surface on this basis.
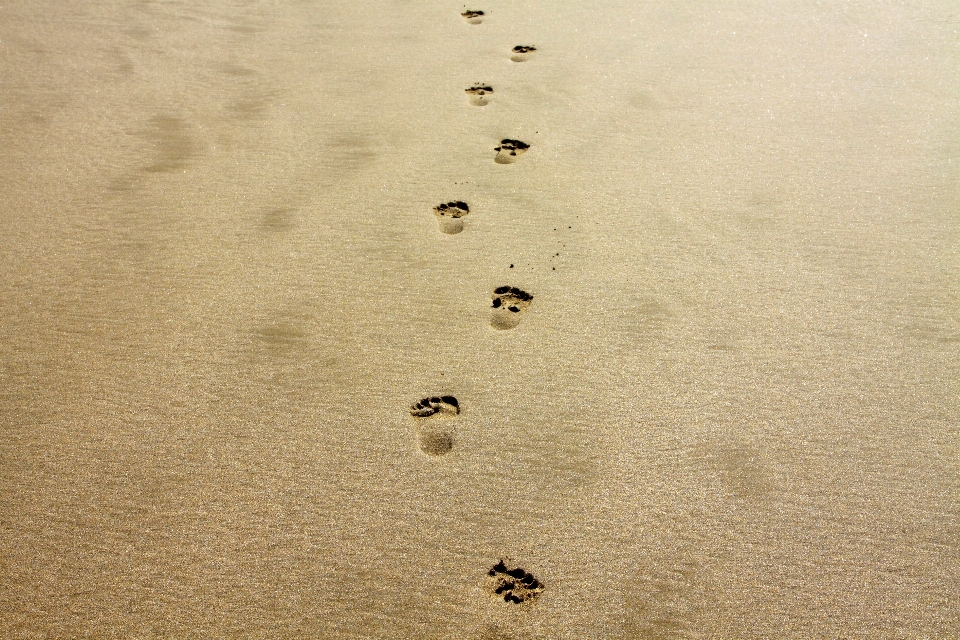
(730, 411)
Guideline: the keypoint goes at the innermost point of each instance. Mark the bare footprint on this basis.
(522, 53)
(478, 94)
(450, 216)
(473, 17)
(513, 585)
(509, 305)
(435, 436)
(509, 150)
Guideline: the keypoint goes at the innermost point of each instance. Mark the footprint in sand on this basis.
(473, 17)
(450, 216)
(522, 53)
(509, 150)
(435, 436)
(478, 94)
(513, 585)
(509, 305)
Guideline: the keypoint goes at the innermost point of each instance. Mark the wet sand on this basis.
(730, 409)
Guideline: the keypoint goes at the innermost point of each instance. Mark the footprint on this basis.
(522, 53)
(509, 305)
(450, 216)
(509, 150)
(473, 17)
(514, 585)
(436, 437)
(478, 94)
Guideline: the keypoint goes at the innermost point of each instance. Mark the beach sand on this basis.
(729, 411)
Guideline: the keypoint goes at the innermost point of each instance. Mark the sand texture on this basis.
(230, 312)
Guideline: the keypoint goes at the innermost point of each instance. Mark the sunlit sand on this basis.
(257, 380)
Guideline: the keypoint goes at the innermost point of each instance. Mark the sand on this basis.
(729, 411)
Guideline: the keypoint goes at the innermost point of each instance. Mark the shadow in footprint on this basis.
(450, 216)
(435, 436)
(478, 94)
(473, 17)
(521, 53)
(514, 585)
(509, 306)
(509, 151)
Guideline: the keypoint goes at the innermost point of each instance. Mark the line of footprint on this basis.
(513, 584)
